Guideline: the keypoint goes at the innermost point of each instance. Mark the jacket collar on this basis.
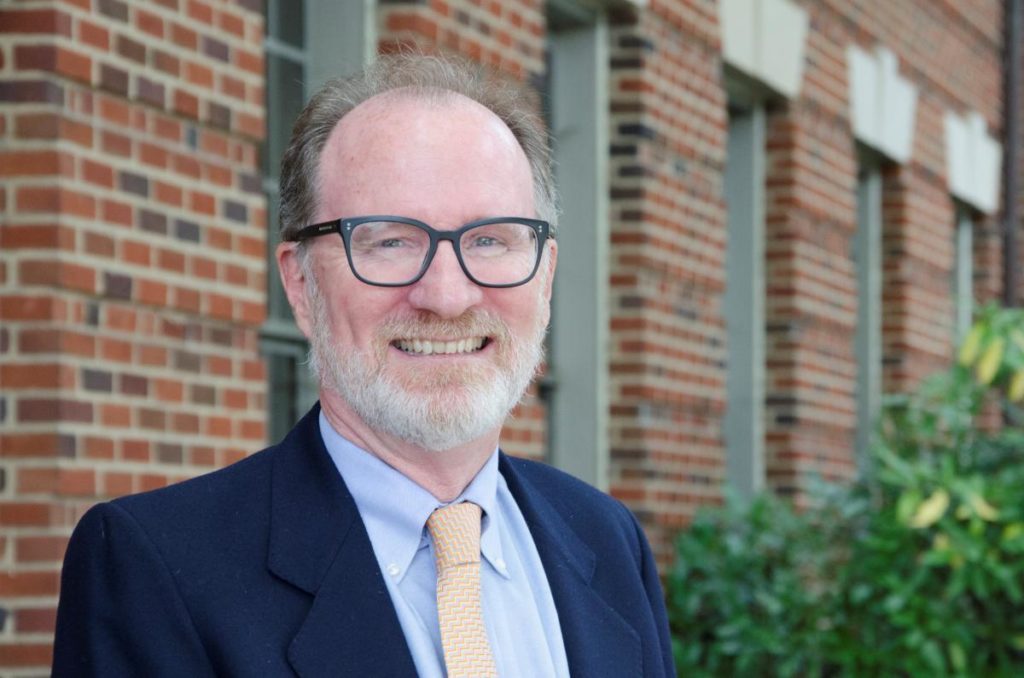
(598, 641)
(319, 544)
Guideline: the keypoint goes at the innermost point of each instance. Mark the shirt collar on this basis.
(395, 509)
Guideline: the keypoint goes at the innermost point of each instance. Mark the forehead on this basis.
(439, 155)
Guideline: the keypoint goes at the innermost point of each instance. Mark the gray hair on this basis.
(432, 78)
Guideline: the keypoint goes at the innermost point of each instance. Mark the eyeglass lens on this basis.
(391, 252)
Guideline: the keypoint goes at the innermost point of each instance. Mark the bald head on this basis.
(432, 80)
(440, 157)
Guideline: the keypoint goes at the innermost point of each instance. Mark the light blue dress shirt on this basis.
(519, 612)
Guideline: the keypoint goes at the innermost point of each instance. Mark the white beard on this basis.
(432, 409)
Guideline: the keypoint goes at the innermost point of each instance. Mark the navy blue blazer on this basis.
(264, 568)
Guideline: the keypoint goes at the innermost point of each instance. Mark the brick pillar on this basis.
(811, 288)
(668, 226)
(132, 269)
(918, 258)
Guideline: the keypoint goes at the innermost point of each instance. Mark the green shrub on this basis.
(915, 569)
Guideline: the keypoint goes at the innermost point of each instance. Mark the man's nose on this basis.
(445, 289)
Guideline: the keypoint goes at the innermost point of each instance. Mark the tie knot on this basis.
(455, 530)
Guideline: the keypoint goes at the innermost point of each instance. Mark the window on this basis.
(963, 271)
(306, 43)
(867, 254)
(745, 299)
(577, 105)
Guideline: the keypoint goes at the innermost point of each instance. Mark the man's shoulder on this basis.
(242, 483)
(577, 502)
(238, 483)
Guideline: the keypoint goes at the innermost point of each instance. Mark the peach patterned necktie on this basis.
(455, 530)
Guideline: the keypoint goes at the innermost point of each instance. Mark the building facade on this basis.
(774, 212)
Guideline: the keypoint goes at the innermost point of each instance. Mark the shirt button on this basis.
(394, 570)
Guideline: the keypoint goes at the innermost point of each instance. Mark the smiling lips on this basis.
(432, 347)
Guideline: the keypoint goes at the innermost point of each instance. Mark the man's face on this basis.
(440, 362)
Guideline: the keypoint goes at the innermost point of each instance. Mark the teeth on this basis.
(428, 347)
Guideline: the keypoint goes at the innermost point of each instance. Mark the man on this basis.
(417, 205)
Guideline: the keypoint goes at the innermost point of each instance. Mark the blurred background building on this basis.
(775, 212)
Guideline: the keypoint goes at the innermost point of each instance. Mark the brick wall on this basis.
(132, 277)
(812, 285)
(668, 124)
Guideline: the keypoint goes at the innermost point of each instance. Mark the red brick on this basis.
(100, 245)
(169, 194)
(167, 128)
(93, 34)
(35, 620)
(29, 445)
(231, 23)
(200, 11)
(25, 514)
(116, 144)
(29, 584)
(185, 103)
(115, 111)
(152, 481)
(54, 409)
(117, 484)
(115, 416)
(31, 375)
(186, 299)
(249, 61)
(135, 252)
(45, 21)
(149, 23)
(151, 292)
(135, 450)
(31, 163)
(219, 366)
(250, 125)
(39, 199)
(152, 356)
(22, 653)
(38, 549)
(98, 448)
(116, 349)
(197, 74)
(184, 37)
(114, 212)
(30, 308)
(97, 173)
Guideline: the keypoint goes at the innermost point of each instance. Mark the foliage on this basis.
(916, 569)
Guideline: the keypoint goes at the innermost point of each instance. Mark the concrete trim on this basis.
(765, 39)
(882, 103)
(973, 161)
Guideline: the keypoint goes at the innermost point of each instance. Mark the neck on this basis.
(443, 473)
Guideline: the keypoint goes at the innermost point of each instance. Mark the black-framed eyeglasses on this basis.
(391, 251)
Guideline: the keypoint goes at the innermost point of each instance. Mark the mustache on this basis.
(473, 323)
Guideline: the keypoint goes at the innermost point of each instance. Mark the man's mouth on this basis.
(435, 347)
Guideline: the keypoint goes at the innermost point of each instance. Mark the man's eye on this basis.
(485, 241)
(390, 243)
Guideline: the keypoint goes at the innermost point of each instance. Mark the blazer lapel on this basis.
(319, 544)
(598, 641)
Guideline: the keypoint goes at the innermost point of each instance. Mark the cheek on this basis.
(525, 309)
(354, 314)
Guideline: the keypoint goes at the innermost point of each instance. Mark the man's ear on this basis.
(293, 279)
(552, 260)
(548, 279)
